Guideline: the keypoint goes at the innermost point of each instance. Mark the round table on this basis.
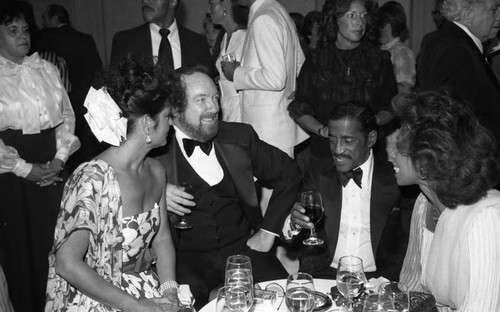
(321, 285)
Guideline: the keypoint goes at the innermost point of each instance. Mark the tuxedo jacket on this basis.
(246, 156)
(194, 47)
(388, 245)
(449, 58)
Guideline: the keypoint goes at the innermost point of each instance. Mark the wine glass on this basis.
(299, 294)
(313, 205)
(233, 298)
(182, 224)
(350, 278)
(399, 294)
(378, 303)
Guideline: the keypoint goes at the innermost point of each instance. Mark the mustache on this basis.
(210, 115)
(342, 156)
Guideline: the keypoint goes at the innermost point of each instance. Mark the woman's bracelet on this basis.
(167, 285)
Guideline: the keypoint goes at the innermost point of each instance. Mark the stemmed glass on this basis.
(299, 295)
(182, 224)
(378, 303)
(313, 205)
(232, 298)
(239, 276)
(350, 278)
(399, 294)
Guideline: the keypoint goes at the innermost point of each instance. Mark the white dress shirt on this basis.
(354, 231)
(206, 166)
(173, 37)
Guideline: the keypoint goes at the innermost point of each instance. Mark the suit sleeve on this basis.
(281, 173)
(271, 74)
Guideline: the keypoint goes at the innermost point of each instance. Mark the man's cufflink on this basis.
(294, 226)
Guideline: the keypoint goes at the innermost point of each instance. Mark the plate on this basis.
(323, 302)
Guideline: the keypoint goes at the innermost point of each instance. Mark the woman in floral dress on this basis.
(112, 225)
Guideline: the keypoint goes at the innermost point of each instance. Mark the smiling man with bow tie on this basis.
(359, 194)
(220, 160)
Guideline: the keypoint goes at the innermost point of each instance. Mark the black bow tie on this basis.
(356, 175)
(189, 146)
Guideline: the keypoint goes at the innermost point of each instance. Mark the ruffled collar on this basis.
(32, 61)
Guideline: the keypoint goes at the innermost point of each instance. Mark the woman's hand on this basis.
(172, 296)
(149, 305)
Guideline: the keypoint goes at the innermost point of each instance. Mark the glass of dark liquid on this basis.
(313, 205)
(183, 224)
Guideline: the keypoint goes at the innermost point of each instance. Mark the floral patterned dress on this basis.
(138, 231)
(92, 201)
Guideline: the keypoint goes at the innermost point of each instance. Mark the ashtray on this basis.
(322, 302)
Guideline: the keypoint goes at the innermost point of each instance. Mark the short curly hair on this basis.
(140, 88)
(332, 11)
(447, 145)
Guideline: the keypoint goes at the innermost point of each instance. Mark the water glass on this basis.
(350, 278)
(234, 299)
(399, 294)
(299, 294)
(378, 303)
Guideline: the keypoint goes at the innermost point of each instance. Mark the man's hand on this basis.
(261, 241)
(177, 200)
(298, 216)
(228, 69)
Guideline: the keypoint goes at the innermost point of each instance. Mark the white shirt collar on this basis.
(476, 40)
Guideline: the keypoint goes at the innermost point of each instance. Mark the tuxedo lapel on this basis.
(331, 189)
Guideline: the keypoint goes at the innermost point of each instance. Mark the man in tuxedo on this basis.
(453, 57)
(220, 160)
(175, 45)
(360, 196)
(83, 61)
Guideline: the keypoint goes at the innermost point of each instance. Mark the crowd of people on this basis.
(98, 166)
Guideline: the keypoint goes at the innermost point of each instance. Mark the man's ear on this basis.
(372, 138)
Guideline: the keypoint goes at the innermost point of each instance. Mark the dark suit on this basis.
(244, 156)
(194, 47)
(388, 246)
(449, 58)
(82, 58)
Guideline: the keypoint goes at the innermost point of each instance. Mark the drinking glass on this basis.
(231, 57)
(182, 224)
(299, 294)
(378, 303)
(313, 205)
(350, 278)
(239, 274)
(234, 299)
(399, 294)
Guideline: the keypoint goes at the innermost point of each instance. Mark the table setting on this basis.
(300, 292)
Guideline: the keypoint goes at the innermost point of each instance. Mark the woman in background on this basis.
(310, 30)
(233, 18)
(113, 223)
(37, 137)
(453, 251)
(391, 19)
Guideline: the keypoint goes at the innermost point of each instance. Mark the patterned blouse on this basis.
(403, 60)
(91, 200)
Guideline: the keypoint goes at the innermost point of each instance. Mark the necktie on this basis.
(356, 175)
(189, 146)
(165, 52)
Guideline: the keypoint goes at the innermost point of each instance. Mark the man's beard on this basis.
(199, 132)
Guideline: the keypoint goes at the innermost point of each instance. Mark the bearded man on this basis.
(220, 161)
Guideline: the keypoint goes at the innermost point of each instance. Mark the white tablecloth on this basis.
(321, 285)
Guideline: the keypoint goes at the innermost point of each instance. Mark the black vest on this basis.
(217, 219)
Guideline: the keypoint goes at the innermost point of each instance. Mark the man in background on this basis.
(80, 53)
(162, 38)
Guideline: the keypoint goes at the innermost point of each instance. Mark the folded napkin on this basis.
(185, 296)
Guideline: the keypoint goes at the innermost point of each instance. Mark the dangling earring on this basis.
(148, 137)
(224, 12)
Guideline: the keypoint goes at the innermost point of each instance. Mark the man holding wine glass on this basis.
(225, 215)
(359, 194)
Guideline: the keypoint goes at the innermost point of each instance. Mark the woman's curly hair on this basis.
(447, 145)
(332, 11)
(140, 88)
